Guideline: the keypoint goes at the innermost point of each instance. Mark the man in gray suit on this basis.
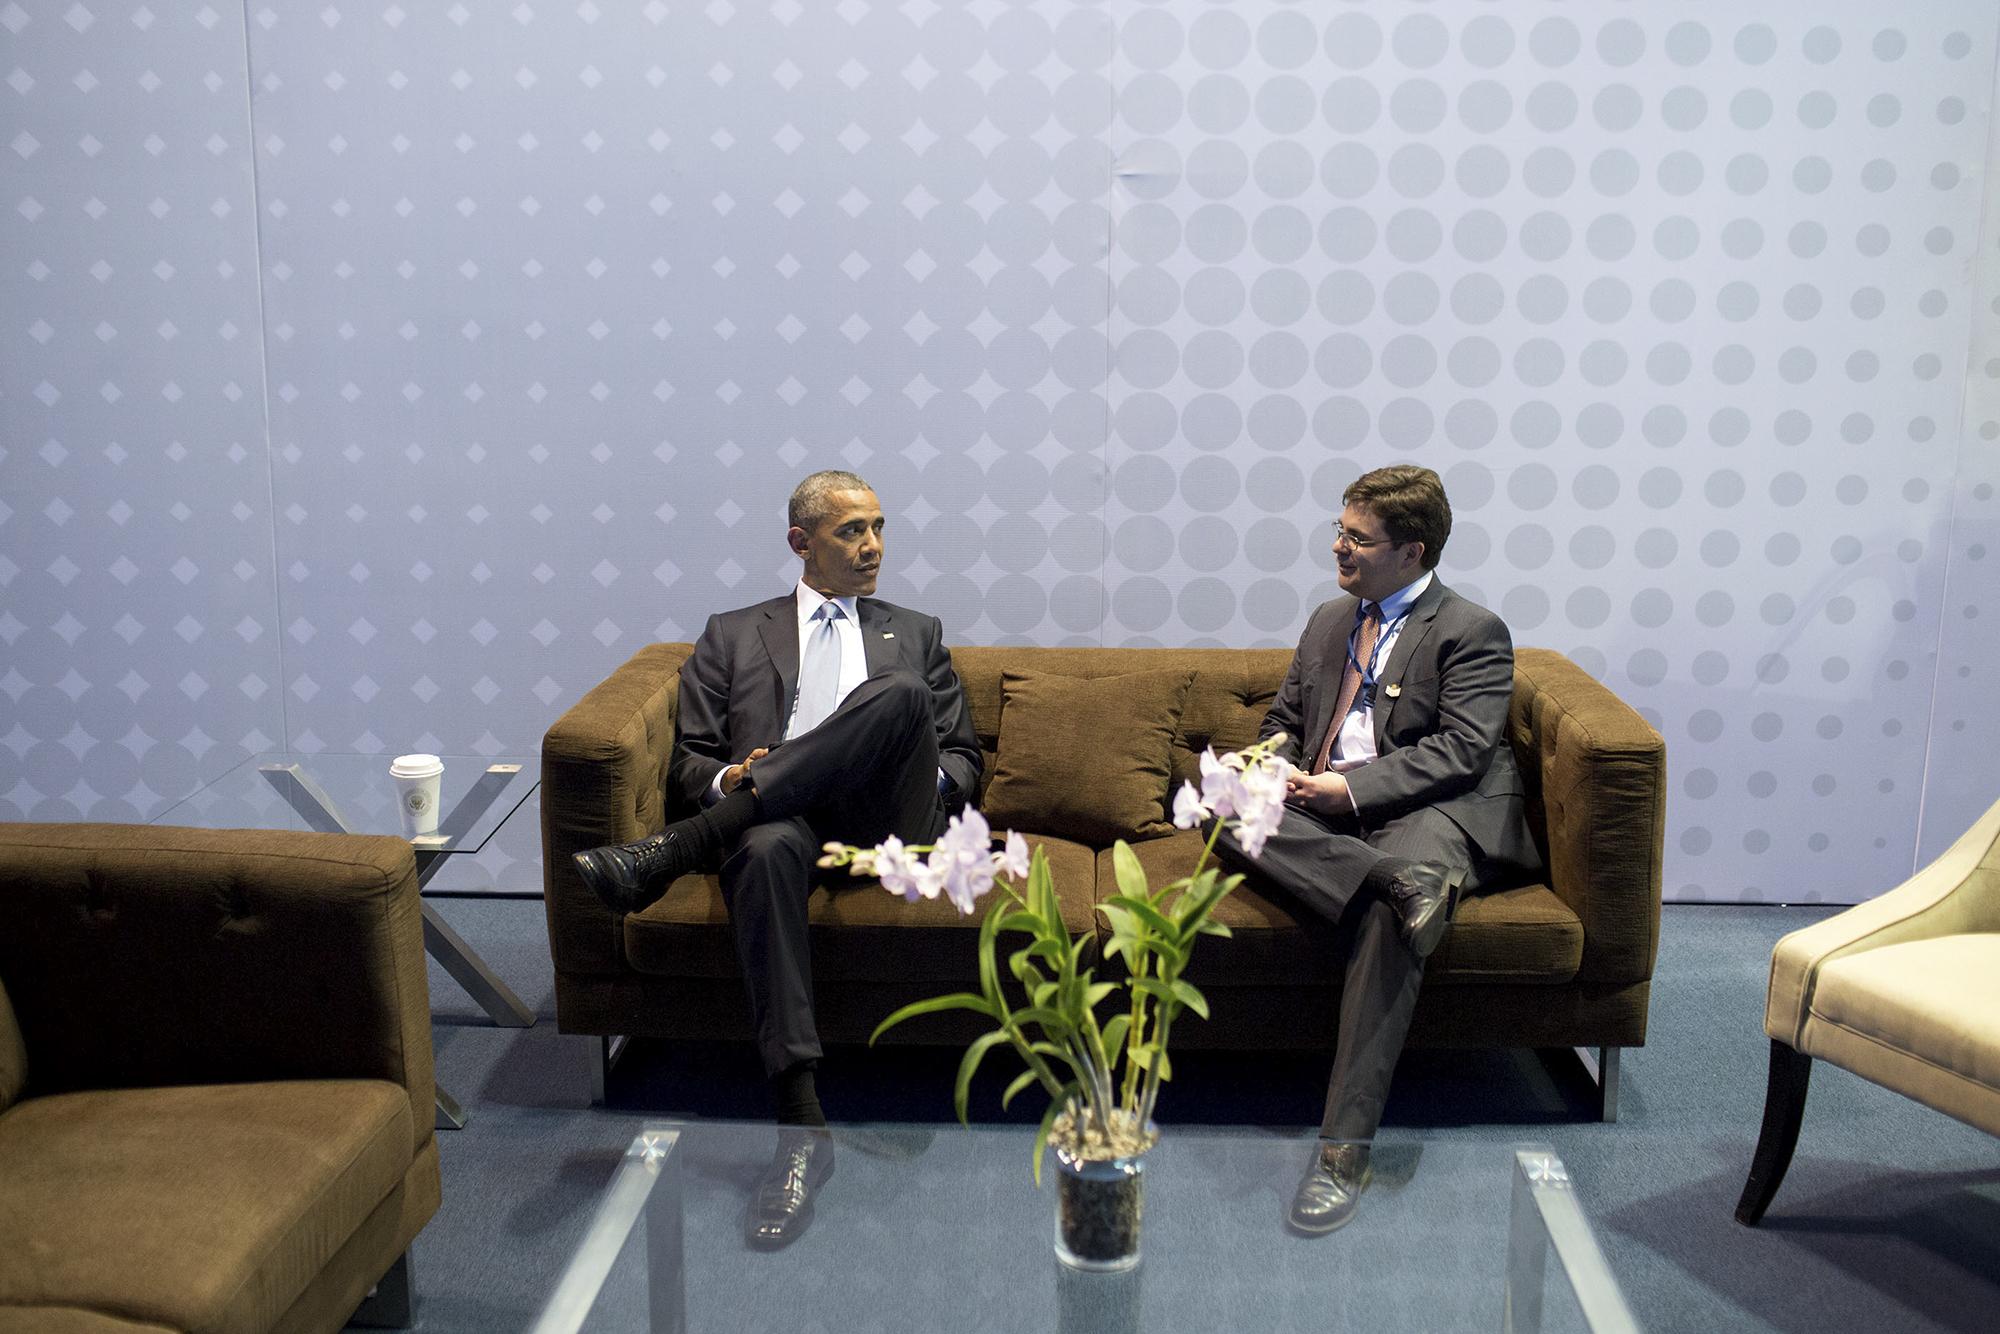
(1405, 793)
(824, 714)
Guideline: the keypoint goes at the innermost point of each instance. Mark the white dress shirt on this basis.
(853, 657)
(853, 661)
(1355, 744)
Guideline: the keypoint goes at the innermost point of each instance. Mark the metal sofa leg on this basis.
(391, 1303)
(1602, 1067)
(1784, 1109)
(604, 1054)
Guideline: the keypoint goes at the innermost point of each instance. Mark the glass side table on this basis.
(340, 793)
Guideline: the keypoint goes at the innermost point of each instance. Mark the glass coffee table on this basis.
(337, 793)
(941, 1227)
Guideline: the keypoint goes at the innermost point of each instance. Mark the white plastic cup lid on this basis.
(416, 766)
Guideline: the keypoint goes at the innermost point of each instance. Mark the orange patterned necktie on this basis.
(1350, 680)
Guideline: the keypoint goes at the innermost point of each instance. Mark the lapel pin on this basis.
(1394, 689)
(888, 634)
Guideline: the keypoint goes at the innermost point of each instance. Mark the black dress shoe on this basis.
(629, 876)
(1422, 896)
(1331, 1189)
(783, 1204)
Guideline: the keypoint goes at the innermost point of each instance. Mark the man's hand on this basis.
(1324, 794)
(740, 773)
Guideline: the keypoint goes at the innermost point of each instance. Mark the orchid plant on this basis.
(1102, 1074)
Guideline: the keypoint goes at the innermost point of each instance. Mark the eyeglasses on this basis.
(1341, 537)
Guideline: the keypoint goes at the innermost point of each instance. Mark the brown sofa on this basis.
(1561, 963)
(215, 1079)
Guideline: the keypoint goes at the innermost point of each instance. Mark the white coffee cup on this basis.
(417, 780)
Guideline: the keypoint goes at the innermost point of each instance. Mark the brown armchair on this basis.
(215, 1078)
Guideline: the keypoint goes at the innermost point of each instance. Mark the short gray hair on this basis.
(809, 505)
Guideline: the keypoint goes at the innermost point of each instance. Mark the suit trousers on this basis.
(1318, 863)
(867, 771)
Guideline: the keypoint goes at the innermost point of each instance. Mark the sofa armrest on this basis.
(139, 956)
(1598, 781)
(1957, 894)
(604, 769)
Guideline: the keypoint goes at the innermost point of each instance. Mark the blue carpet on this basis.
(1889, 1219)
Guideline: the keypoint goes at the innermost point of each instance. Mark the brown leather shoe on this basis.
(1331, 1189)
(783, 1205)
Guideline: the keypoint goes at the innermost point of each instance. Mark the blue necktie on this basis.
(819, 670)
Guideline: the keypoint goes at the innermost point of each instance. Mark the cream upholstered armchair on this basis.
(1903, 990)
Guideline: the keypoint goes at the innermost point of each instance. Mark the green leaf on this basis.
(1051, 952)
(1147, 1055)
(1043, 993)
(1125, 863)
(1190, 996)
(1151, 917)
(958, 1000)
(1210, 927)
(989, 980)
(1026, 1079)
(974, 1054)
(1024, 970)
(1053, 1022)
(1042, 889)
(1098, 992)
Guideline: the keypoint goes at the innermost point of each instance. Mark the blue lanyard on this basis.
(1368, 670)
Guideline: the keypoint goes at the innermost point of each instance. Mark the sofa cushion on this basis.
(1521, 935)
(198, 1207)
(13, 1054)
(1086, 758)
(1937, 1000)
(1225, 705)
(859, 930)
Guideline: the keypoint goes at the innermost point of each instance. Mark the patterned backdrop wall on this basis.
(378, 377)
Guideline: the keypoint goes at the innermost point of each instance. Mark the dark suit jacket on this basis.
(737, 687)
(1440, 718)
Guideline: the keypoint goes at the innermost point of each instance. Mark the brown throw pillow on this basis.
(1086, 758)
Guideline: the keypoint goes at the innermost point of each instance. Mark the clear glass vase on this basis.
(1099, 1205)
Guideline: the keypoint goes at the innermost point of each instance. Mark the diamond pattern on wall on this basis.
(1109, 302)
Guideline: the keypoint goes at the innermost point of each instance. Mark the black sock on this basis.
(798, 1099)
(1383, 874)
(716, 829)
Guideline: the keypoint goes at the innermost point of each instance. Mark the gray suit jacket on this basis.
(737, 688)
(1440, 718)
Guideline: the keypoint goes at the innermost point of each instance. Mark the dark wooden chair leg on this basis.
(1784, 1108)
(391, 1303)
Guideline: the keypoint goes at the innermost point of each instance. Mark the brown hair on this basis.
(1409, 501)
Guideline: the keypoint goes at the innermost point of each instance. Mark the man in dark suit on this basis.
(821, 715)
(1405, 793)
